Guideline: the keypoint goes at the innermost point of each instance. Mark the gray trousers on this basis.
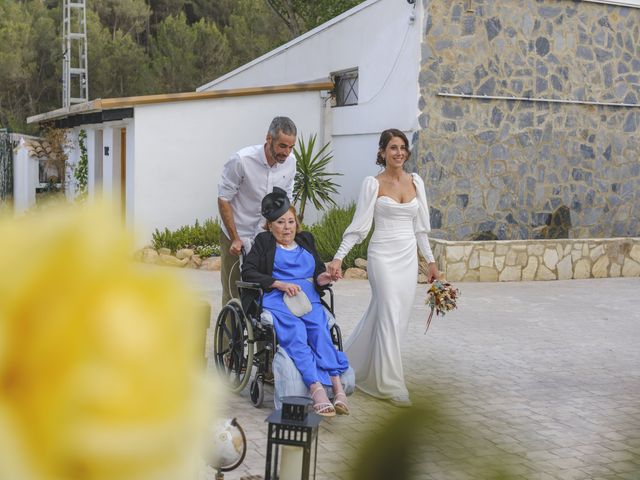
(229, 270)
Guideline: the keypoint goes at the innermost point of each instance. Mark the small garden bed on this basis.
(198, 245)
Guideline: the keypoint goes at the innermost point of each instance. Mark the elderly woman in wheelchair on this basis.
(287, 267)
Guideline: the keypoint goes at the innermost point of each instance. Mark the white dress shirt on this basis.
(246, 179)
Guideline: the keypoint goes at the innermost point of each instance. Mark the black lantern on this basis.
(292, 442)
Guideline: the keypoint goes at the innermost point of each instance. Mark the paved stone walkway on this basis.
(543, 377)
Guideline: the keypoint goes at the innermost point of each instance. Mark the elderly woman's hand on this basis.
(324, 279)
(290, 289)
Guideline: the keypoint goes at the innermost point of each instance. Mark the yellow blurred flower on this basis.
(100, 361)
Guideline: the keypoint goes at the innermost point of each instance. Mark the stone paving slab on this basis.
(543, 377)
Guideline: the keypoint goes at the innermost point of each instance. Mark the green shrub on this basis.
(203, 239)
(328, 235)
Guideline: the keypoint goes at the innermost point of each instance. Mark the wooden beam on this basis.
(99, 104)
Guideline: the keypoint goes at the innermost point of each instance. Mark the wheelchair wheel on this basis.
(256, 391)
(233, 346)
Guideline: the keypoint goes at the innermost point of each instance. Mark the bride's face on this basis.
(395, 153)
(284, 228)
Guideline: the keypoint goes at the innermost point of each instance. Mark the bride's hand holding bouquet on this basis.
(442, 297)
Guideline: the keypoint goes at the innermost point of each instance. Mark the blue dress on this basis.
(306, 339)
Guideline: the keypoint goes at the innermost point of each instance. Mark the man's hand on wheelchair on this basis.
(236, 247)
(290, 289)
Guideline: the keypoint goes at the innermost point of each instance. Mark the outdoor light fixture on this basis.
(292, 442)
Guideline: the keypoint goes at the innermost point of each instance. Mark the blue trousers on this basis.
(308, 342)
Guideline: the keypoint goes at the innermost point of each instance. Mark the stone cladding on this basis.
(505, 167)
(515, 260)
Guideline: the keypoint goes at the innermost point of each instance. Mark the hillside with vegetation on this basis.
(140, 47)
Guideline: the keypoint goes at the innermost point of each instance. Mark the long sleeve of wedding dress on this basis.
(362, 219)
(422, 223)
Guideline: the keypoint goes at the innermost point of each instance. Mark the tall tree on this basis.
(118, 65)
(213, 54)
(126, 16)
(218, 11)
(138, 47)
(29, 77)
(173, 55)
(165, 8)
(184, 57)
(303, 15)
(253, 30)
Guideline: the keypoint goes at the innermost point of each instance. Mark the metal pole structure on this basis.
(75, 73)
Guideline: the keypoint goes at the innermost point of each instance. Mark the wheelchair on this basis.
(244, 338)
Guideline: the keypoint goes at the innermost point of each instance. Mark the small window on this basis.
(346, 90)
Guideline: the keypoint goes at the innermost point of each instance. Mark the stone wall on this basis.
(514, 260)
(504, 167)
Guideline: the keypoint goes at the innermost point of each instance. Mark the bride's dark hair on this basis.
(385, 138)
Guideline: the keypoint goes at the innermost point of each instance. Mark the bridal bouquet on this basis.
(442, 298)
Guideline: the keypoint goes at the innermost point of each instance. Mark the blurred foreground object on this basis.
(442, 297)
(404, 443)
(229, 446)
(100, 361)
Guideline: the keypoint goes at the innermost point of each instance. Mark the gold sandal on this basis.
(341, 407)
(325, 409)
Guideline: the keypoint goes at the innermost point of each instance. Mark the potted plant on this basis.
(312, 181)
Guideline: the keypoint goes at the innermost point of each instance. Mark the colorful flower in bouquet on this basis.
(442, 297)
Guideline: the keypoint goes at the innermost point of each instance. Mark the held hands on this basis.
(236, 247)
(433, 274)
(290, 289)
(334, 268)
(323, 279)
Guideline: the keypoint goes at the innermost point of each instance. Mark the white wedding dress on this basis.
(374, 348)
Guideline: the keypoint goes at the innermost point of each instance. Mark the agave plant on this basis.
(313, 182)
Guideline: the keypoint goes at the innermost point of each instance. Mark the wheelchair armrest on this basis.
(323, 290)
(326, 288)
(251, 285)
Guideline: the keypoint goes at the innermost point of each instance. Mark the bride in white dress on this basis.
(396, 202)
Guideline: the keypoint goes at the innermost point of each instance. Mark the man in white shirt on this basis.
(247, 177)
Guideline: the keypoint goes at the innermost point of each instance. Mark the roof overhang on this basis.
(111, 109)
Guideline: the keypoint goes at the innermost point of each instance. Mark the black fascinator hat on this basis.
(275, 204)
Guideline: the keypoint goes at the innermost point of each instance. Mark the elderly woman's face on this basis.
(284, 228)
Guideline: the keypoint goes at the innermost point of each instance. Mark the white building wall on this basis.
(180, 148)
(72, 149)
(25, 178)
(130, 197)
(107, 155)
(381, 38)
(92, 166)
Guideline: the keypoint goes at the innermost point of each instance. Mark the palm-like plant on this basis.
(312, 182)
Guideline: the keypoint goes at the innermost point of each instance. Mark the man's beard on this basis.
(274, 156)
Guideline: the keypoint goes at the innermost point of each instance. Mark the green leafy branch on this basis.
(312, 181)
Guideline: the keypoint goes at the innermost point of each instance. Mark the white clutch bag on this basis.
(299, 304)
